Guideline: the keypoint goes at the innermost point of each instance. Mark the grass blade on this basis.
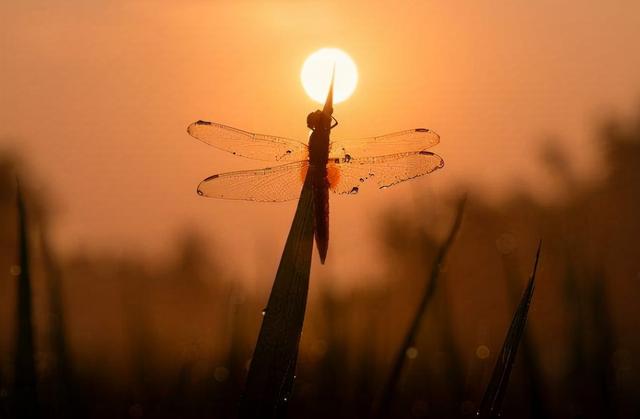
(531, 362)
(26, 397)
(271, 373)
(389, 389)
(66, 397)
(491, 404)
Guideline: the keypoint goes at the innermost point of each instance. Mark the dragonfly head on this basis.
(318, 119)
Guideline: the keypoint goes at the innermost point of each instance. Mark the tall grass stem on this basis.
(389, 390)
(491, 405)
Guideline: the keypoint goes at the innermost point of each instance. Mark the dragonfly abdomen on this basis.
(320, 187)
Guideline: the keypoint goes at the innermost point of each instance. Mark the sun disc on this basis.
(316, 75)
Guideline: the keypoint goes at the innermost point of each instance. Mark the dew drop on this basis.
(412, 353)
(347, 158)
(483, 352)
(361, 179)
(200, 192)
(354, 190)
(288, 151)
(264, 311)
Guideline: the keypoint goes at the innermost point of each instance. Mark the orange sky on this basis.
(97, 99)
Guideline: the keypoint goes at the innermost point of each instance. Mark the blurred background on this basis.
(147, 299)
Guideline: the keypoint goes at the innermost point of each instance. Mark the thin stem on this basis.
(389, 389)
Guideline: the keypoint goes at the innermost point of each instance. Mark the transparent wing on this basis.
(417, 139)
(247, 144)
(272, 184)
(348, 174)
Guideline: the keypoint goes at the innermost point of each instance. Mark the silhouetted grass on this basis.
(453, 361)
(531, 363)
(491, 404)
(592, 341)
(25, 386)
(68, 401)
(604, 347)
(271, 374)
(586, 348)
(389, 389)
(273, 366)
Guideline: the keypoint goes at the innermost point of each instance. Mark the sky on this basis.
(96, 96)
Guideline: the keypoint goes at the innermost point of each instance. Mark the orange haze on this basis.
(96, 97)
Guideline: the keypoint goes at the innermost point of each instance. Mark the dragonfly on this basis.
(338, 166)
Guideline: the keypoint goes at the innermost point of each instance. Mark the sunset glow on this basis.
(345, 209)
(317, 70)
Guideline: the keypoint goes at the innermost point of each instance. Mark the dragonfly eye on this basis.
(315, 120)
(312, 120)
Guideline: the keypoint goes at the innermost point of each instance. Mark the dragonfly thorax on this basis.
(319, 147)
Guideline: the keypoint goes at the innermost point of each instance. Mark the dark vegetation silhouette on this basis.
(382, 408)
(117, 336)
(271, 375)
(25, 388)
(272, 369)
(491, 404)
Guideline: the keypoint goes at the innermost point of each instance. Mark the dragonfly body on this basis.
(338, 166)
(320, 123)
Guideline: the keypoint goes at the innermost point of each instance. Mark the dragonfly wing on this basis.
(272, 184)
(248, 144)
(417, 139)
(349, 174)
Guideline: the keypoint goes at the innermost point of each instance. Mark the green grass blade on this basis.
(271, 374)
(491, 404)
(389, 389)
(26, 397)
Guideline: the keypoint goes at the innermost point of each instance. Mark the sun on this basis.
(316, 75)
